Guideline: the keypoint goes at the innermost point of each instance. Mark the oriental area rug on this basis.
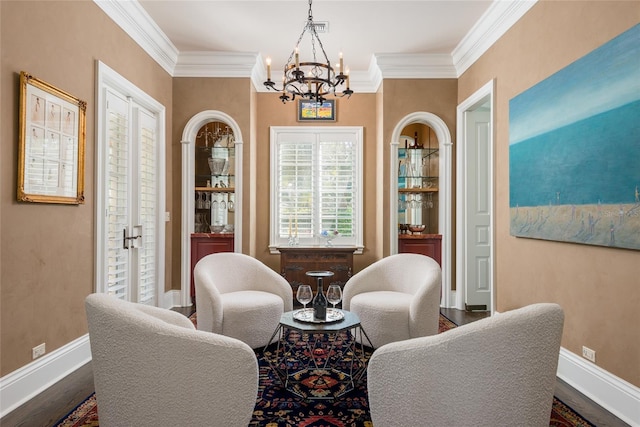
(278, 407)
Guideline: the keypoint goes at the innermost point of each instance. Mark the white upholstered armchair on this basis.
(498, 371)
(240, 297)
(396, 298)
(152, 368)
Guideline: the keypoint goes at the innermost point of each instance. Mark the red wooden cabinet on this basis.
(424, 244)
(203, 244)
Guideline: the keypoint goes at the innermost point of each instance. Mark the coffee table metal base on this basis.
(319, 360)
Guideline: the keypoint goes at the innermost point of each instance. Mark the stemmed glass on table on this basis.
(304, 296)
(334, 296)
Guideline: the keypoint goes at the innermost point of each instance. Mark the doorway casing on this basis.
(465, 230)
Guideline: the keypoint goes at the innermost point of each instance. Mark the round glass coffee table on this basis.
(319, 360)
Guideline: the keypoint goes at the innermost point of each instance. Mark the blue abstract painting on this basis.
(574, 150)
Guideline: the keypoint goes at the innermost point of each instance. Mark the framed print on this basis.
(316, 111)
(51, 144)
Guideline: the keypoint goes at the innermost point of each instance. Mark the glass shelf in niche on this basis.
(423, 152)
(216, 189)
(211, 149)
(205, 176)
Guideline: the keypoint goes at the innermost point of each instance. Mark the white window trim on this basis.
(275, 132)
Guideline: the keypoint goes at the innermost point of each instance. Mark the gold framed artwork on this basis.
(52, 144)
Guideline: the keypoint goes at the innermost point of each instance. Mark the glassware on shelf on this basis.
(199, 200)
(409, 170)
(197, 225)
(402, 168)
(216, 165)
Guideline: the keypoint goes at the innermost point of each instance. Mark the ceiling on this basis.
(397, 38)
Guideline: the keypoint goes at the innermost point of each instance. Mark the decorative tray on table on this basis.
(306, 315)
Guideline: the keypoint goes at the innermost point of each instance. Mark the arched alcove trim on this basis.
(188, 181)
(445, 190)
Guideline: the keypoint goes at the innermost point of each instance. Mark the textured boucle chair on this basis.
(498, 371)
(396, 298)
(152, 368)
(240, 297)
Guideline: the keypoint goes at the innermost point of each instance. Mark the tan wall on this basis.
(596, 286)
(47, 250)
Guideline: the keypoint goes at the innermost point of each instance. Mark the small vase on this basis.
(328, 241)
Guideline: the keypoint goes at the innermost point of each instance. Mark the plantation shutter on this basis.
(118, 274)
(295, 197)
(337, 182)
(147, 210)
(317, 175)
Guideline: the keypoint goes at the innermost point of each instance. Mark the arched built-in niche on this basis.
(188, 181)
(444, 209)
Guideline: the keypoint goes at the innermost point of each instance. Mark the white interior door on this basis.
(478, 210)
(130, 235)
(474, 216)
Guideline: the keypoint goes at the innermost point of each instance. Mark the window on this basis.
(316, 185)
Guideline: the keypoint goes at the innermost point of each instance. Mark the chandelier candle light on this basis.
(310, 80)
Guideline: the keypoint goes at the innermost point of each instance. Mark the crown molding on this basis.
(215, 64)
(492, 25)
(415, 66)
(136, 22)
(374, 74)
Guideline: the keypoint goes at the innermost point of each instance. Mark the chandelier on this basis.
(310, 80)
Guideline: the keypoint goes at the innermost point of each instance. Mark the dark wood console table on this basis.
(295, 261)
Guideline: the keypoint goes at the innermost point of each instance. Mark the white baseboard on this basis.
(25, 383)
(171, 299)
(612, 393)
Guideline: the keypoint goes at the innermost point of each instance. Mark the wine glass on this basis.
(304, 295)
(199, 200)
(334, 295)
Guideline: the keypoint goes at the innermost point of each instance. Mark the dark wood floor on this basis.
(54, 403)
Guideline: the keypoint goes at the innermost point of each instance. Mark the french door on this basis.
(130, 199)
